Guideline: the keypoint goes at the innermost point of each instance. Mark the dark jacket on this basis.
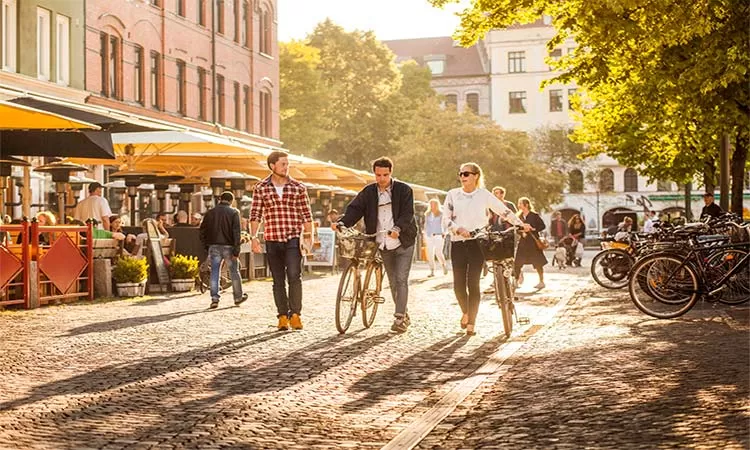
(712, 210)
(365, 204)
(221, 226)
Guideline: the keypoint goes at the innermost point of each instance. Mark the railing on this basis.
(56, 263)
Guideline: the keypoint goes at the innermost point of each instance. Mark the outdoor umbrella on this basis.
(20, 117)
(81, 144)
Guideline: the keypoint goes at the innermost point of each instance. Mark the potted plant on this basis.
(183, 270)
(130, 275)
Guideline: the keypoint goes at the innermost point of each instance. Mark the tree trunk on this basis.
(709, 175)
(739, 159)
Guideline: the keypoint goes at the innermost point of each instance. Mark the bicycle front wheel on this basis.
(736, 289)
(504, 300)
(610, 268)
(662, 286)
(346, 298)
(370, 293)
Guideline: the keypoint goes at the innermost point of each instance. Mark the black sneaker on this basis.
(214, 304)
(399, 325)
(239, 301)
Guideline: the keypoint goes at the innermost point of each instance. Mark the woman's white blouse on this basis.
(468, 210)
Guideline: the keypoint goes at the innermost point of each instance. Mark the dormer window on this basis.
(436, 67)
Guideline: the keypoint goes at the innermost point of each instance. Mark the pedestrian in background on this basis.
(282, 204)
(388, 209)
(434, 236)
(528, 252)
(94, 207)
(648, 224)
(710, 209)
(220, 236)
(465, 210)
(577, 229)
(558, 229)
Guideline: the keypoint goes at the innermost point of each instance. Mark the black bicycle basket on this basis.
(357, 247)
(496, 248)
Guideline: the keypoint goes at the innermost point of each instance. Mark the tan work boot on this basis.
(283, 323)
(296, 322)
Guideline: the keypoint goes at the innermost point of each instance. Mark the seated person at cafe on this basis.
(181, 219)
(196, 221)
(45, 219)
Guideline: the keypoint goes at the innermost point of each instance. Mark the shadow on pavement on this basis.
(128, 322)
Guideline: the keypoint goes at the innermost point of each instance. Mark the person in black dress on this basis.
(527, 252)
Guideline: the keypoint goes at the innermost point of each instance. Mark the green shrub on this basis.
(183, 267)
(130, 270)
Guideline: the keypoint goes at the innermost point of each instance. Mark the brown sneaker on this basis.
(283, 323)
(296, 322)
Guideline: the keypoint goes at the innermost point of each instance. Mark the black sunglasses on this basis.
(466, 174)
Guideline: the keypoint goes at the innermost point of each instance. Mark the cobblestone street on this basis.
(169, 373)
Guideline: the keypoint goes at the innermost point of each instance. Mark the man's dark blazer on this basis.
(366, 204)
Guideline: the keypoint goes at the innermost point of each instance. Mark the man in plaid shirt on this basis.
(281, 202)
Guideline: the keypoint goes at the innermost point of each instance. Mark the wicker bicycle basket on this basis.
(496, 249)
(357, 247)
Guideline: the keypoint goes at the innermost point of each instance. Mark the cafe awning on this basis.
(20, 117)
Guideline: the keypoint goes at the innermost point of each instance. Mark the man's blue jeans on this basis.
(217, 253)
(397, 265)
(285, 261)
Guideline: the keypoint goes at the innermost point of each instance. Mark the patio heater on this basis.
(6, 167)
(60, 172)
(76, 185)
(208, 198)
(174, 197)
(187, 188)
(161, 185)
(132, 181)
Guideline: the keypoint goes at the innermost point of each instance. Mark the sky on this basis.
(390, 19)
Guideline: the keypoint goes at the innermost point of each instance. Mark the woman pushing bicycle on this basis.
(465, 210)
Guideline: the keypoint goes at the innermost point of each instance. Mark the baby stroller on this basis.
(570, 245)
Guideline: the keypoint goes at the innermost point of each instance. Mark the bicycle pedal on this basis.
(523, 320)
(380, 300)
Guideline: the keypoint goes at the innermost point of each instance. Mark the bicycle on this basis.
(203, 280)
(362, 251)
(498, 247)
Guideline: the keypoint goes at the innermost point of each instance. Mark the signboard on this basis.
(322, 255)
(157, 257)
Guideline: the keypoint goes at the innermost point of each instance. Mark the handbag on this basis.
(541, 244)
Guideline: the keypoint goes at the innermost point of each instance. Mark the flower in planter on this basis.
(130, 270)
(182, 267)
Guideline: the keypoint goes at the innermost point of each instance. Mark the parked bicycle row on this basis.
(669, 270)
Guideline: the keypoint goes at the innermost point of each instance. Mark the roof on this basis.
(459, 61)
(538, 23)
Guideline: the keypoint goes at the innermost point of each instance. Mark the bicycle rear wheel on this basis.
(371, 293)
(610, 268)
(346, 298)
(736, 289)
(503, 299)
(662, 287)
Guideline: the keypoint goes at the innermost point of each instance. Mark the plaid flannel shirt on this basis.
(284, 217)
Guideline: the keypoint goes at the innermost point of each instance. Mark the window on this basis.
(219, 16)
(138, 76)
(265, 113)
(63, 49)
(243, 25)
(664, 186)
(202, 13)
(571, 96)
(606, 180)
(155, 80)
(631, 180)
(220, 97)
(571, 50)
(247, 104)
(575, 181)
(236, 8)
(181, 88)
(155, 2)
(516, 62)
(266, 30)
(42, 43)
(556, 54)
(8, 50)
(202, 76)
(237, 107)
(113, 68)
(472, 103)
(555, 100)
(436, 67)
(103, 52)
(517, 102)
(180, 7)
(451, 100)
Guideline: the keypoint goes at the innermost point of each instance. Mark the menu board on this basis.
(157, 257)
(322, 255)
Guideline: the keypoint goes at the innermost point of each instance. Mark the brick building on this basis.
(170, 59)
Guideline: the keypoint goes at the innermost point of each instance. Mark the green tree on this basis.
(664, 82)
(304, 98)
(440, 140)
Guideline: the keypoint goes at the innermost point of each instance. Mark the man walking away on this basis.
(220, 235)
(388, 208)
(283, 204)
(94, 207)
